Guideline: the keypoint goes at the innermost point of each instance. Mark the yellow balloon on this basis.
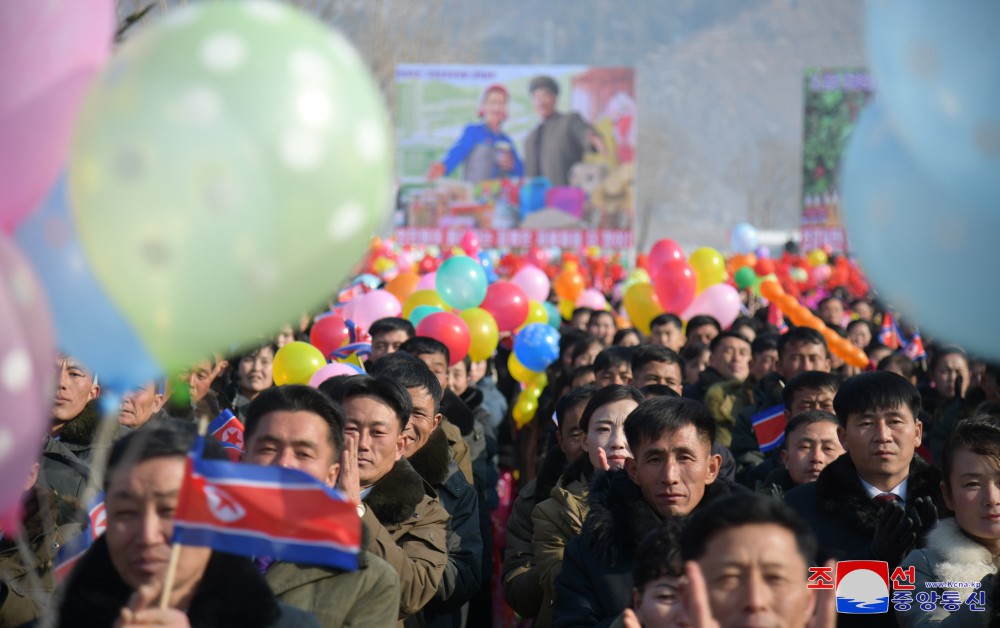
(296, 362)
(524, 410)
(536, 314)
(709, 267)
(534, 390)
(642, 306)
(482, 331)
(566, 308)
(519, 371)
(817, 257)
(422, 297)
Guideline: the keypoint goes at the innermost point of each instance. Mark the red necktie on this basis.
(885, 498)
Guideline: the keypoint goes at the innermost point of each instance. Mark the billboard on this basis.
(833, 100)
(524, 155)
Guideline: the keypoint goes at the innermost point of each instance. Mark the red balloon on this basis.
(764, 267)
(676, 285)
(451, 330)
(329, 334)
(508, 304)
(662, 252)
(536, 257)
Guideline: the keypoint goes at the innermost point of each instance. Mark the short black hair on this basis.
(543, 81)
(581, 310)
(612, 357)
(942, 352)
(704, 319)
(295, 398)
(763, 343)
(667, 319)
(813, 380)
(568, 339)
(875, 391)
(575, 397)
(902, 364)
(658, 555)
(172, 438)
(388, 391)
(604, 396)
(645, 354)
(390, 324)
(722, 336)
(693, 351)
(745, 322)
(808, 418)
(583, 344)
(658, 390)
(596, 314)
(742, 509)
(979, 434)
(424, 345)
(800, 336)
(411, 372)
(579, 371)
(622, 334)
(655, 416)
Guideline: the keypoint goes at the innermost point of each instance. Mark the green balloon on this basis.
(745, 278)
(228, 169)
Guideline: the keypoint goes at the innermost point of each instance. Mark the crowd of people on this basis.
(641, 494)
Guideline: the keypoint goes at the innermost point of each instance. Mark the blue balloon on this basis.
(936, 72)
(536, 346)
(486, 261)
(461, 282)
(555, 318)
(88, 326)
(929, 253)
(743, 238)
(421, 312)
(367, 280)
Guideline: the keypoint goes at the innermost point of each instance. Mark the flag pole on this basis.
(175, 548)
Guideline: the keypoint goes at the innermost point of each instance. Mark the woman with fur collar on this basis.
(965, 549)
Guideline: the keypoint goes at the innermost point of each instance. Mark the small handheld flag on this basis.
(71, 552)
(769, 427)
(228, 430)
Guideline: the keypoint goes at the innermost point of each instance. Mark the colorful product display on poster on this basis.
(523, 155)
(833, 100)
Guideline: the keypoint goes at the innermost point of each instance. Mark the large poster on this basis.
(833, 100)
(524, 155)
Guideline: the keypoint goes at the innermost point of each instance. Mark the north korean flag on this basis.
(889, 333)
(250, 510)
(769, 426)
(75, 548)
(228, 430)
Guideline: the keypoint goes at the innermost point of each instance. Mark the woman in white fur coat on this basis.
(966, 548)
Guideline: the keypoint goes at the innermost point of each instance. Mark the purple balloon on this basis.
(27, 356)
(763, 252)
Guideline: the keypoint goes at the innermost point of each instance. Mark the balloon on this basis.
(422, 297)
(642, 306)
(764, 267)
(743, 238)
(367, 280)
(520, 372)
(592, 299)
(536, 257)
(745, 278)
(451, 330)
(762, 252)
(675, 285)
(333, 369)
(461, 282)
(296, 362)
(229, 155)
(483, 333)
(373, 306)
(771, 290)
(421, 312)
(524, 410)
(662, 252)
(536, 346)
(709, 267)
(534, 282)
(555, 318)
(328, 334)
(720, 301)
(27, 360)
(403, 285)
(566, 309)
(428, 282)
(507, 303)
(487, 263)
(536, 314)
(50, 54)
(822, 273)
(87, 325)
(938, 85)
(569, 284)
(817, 257)
(946, 286)
(470, 243)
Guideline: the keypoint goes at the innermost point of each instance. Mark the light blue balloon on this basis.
(743, 238)
(930, 254)
(486, 261)
(936, 71)
(88, 326)
(536, 346)
(461, 282)
(421, 312)
(555, 318)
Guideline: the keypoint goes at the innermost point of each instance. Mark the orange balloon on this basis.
(814, 322)
(403, 285)
(569, 285)
(799, 315)
(771, 290)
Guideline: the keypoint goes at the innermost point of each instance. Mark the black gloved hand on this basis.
(894, 535)
(924, 515)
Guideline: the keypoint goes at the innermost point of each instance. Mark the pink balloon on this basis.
(332, 369)
(720, 301)
(663, 251)
(591, 298)
(428, 282)
(470, 243)
(376, 305)
(27, 356)
(534, 282)
(49, 52)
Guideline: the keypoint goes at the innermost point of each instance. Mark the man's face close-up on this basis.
(295, 440)
(140, 404)
(674, 470)
(380, 443)
(74, 388)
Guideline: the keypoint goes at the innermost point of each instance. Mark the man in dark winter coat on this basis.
(878, 500)
(673, 472)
